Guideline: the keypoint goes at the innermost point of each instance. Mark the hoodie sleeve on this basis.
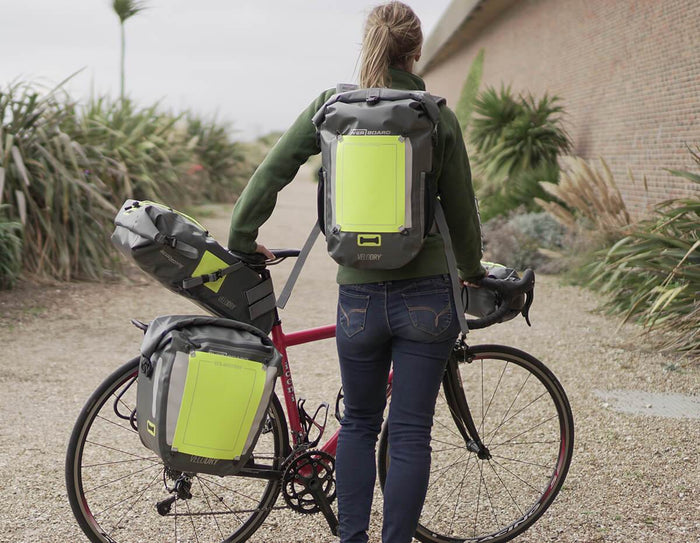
(281, 164)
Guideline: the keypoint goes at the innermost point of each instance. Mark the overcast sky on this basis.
(256, 64)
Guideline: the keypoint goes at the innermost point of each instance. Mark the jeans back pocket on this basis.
(430, 311)
(352, 312)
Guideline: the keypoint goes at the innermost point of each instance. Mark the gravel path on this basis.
(634, 478)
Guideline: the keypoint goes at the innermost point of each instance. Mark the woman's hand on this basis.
(265, 251)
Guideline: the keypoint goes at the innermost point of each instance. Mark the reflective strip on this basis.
(270, 379)
(262, 306)
(371, 184)
(209, 264)
(408, 219)
(259, 291)
(219, 405)
(176, 388)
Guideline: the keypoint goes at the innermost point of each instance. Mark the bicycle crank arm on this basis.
(316, 489)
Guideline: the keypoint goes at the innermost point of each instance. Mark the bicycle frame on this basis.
(452, 382)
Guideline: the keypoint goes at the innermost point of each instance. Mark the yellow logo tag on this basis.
(151, 428)
(369, 240)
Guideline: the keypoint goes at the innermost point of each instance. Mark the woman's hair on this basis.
(392, 37)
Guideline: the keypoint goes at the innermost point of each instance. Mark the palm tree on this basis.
(125, 9)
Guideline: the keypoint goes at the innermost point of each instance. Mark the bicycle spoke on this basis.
(120, 451)
(459, 496)
(534, 427)
(138, 498)
(506, 488)
(521, 461)
(154, 459)
(492, 435)
(194, 529)
(488, 494)
(515, 475)
(216, 521)
(127, 428)
(221, 500)
(498, 384)
(226, 488)
(118, 479)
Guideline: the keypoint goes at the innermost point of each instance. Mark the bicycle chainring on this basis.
(310, 469)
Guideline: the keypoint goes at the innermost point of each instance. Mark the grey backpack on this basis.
(376, 198)
(203, 389)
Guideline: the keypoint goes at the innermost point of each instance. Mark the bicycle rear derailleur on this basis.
(309, 485)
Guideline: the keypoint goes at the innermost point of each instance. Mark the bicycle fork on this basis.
(461, 414)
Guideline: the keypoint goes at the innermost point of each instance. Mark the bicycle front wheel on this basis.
(523, 417)
(114, 483)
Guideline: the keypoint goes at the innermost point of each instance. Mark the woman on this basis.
(405, 316)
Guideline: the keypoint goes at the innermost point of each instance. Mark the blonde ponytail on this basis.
(392, 37)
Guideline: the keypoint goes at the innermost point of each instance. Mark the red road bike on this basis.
(502, 441)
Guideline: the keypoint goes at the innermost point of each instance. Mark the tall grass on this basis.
(66, 168)
(10, 248)
(586, 193)
(47, 186)
(652, 275)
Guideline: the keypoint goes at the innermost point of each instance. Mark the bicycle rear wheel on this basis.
(523, 417)
(114, 482)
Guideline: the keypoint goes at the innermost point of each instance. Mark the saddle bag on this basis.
(179, 252)
(203, 389)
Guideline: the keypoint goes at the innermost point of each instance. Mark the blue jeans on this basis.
(412, 323)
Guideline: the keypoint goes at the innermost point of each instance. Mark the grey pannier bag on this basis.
(376, 198)
(203, 389)
(179, 252)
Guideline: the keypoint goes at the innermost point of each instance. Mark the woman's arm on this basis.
(457, 197)
(281, 164)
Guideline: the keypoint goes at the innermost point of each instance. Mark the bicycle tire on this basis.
(103, 447)
(475, 500)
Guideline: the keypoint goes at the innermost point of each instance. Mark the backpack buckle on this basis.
(373, 96)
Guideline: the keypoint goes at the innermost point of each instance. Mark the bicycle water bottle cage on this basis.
(309, 422)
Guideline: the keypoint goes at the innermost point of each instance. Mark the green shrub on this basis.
(589, 198)
(523, 191)
(68, 168)
(10, 249)
(220, 170)
(652, 275)
(63, 209)
(470, 90)
(524, 240)
(516, 142)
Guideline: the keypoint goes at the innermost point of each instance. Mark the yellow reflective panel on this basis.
(219, 403)
(370, 183)
(209, 264)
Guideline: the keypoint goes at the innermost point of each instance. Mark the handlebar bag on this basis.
(179, 252)
(203, 389)
(482, 301)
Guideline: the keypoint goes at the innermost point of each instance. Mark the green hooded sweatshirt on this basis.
(450, 168)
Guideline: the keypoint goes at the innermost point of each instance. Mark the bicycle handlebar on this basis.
(508, 290)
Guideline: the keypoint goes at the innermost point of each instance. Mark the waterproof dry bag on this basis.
(376, 198)
(203, 389)
(179, 252)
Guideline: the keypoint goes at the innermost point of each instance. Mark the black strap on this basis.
(451, 266)
(210, 277)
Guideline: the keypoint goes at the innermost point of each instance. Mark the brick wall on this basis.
(628, 73)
